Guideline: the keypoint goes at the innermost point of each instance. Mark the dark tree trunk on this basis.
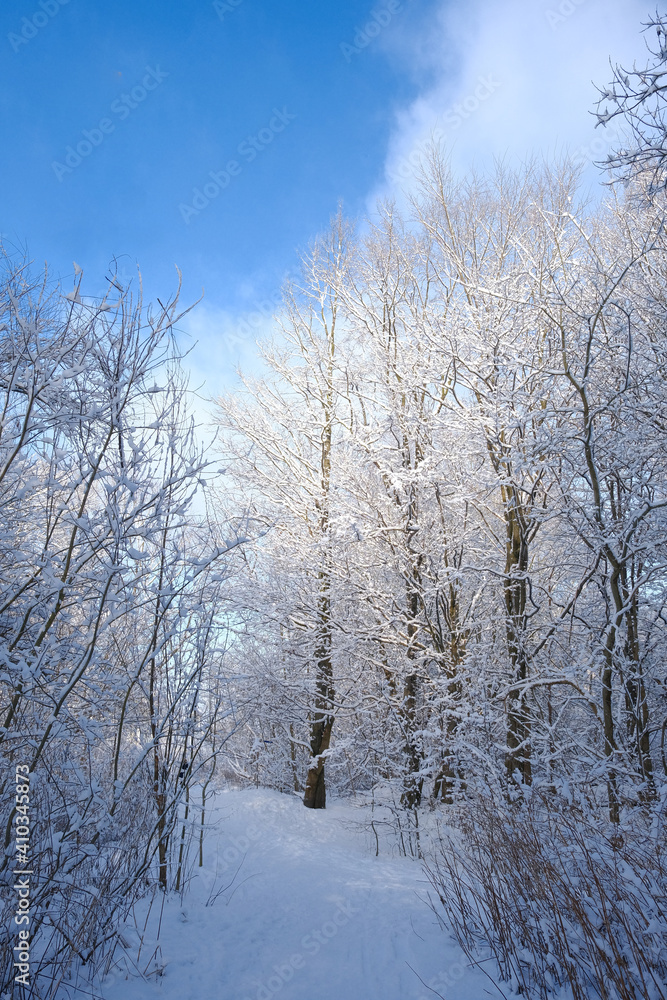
(315, 796)
(635, 688)
(412, 751)
(517, 758)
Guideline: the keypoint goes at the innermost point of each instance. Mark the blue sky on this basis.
(226, 71)
(115, 115)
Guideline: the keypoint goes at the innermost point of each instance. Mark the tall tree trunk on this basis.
(412, 782)
(635, 688)
(412, 751)
(608, 724)
(449, 771)
(315, 795)
(517, 758)
(159, 787)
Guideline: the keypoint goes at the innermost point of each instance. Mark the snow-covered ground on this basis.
(294, 904)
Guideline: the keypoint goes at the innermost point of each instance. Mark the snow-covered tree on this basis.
(637, 99)
(107, 581)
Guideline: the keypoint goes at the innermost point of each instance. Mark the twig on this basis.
(430, 988)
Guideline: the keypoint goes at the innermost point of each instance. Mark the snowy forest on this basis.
(422, 566)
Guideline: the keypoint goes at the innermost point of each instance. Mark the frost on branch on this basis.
(110, 606)
(637, 98)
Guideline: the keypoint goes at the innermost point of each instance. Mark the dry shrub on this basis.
(558, 900)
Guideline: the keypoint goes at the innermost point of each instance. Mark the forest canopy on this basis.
(431, 574)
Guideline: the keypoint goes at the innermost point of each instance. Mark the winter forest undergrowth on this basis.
(422, 567)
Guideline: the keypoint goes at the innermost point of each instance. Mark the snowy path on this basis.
(312, 915)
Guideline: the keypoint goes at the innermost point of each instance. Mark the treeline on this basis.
(434, 572)
(454, 466)
(458, 457)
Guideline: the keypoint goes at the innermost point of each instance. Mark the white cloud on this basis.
(219, 343)
(523, 84)
(499, 78)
